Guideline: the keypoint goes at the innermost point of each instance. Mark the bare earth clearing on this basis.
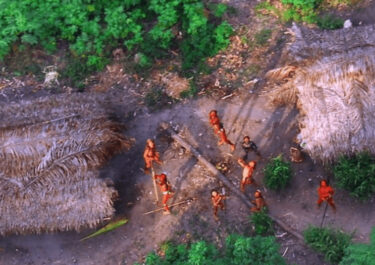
(273, 130)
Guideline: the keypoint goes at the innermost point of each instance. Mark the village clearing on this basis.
(244, 110)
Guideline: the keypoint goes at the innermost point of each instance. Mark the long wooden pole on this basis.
(154, 182)
(224, 179)
(175, 204)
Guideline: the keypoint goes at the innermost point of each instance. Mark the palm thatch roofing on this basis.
(330, 76)
(51, 150)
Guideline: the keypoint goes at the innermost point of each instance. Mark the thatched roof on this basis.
(330, 76)
(50, 152)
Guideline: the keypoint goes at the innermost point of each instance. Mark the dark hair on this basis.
(246, 137)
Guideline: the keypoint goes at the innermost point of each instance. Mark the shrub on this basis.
(262, 223)
(94, 28)
(360, 254)
(277, 173)
(330, 22)
(263, 36)
(356, 174)
(331, 243)
(239, 250)
(306, 11)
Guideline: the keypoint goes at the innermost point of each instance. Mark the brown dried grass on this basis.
(50, 153)
(334, 92)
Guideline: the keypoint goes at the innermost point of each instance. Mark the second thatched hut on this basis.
(330, 76)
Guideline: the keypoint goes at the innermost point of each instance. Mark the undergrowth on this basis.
(332, 243)
(356, 174)
(262, 223)
(93, 28)
(360, 254)
(238, 250)
(308, 11)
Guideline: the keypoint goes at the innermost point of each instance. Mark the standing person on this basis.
(223, 137)
(214, 120)
(259, 202)
(217, 201)
(150, 155)
(325, 193)
(166, 189)
(248, 146)
(247, 173)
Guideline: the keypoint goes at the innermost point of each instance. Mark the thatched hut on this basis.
(330, 76)
(50, 152)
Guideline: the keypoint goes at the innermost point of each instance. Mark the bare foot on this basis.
(166, 212)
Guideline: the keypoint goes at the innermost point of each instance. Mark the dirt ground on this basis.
(271, 128)
(245, 113)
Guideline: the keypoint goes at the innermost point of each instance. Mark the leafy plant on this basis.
(306, 11)
(332, 243)
(360, 254)
(93, 28)
(330, 22)
(356, 174)
(262, 223)
(262, 37)
(277, 173)
(239, 250)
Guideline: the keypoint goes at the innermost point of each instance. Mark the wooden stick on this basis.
(224, 179)
(324, 215)
(177, 203)
(154, 182)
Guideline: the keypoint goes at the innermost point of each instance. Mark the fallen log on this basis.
(224, 179)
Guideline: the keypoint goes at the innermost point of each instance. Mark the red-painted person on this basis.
(150, 155)
(247, 173)
(217, 201)
(223, 137)
(166, 189)
(259, 202)
(214, 120)
(325, 193)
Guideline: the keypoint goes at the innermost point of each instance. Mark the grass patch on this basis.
(356, 174)
(332, 243)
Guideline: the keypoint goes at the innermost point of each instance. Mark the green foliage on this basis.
(143, 60)
(239, 250)
(203, 39)
(262, 37)
(262, 223)
(93, 28)
(360, 254)
(331, 243)
(330, 22)
(301, 10)
(218, 9)
(306, 11)
(356, 174)
(277, 173)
